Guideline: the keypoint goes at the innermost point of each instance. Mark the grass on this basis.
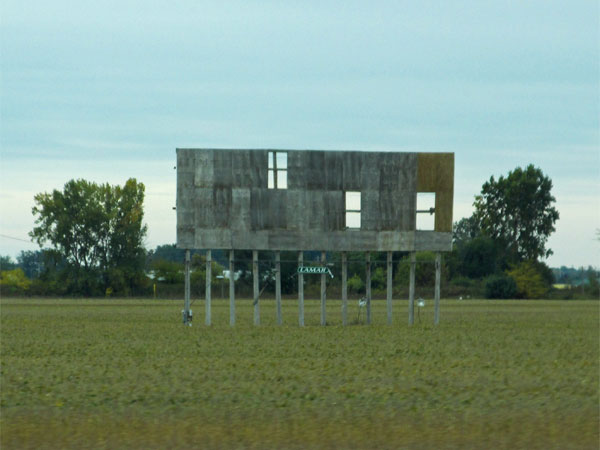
(128, 374)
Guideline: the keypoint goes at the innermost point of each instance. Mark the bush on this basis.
(463, 282)
(379, 279)
(529, 280)
(355, 284)
(424, 270)
(500, 286)
(13, 282)
(167, 271)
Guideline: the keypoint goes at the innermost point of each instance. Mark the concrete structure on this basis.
(312, 200)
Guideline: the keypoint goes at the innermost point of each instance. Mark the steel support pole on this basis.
(300, 290)
(186, 305)
(231, 288)
(411, 289)
(368, 288)
(323, 290)
(208, 287)
(438, 278)
(255, 286)
(389, 288)
(344, 288)
(278, 287)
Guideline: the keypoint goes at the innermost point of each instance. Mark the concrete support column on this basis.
(255, 286)
(231, 289)
(389, 288)
(186, 302)
(323, 290)
(278, 286)
(438, 278)
(344, 288)
(368, 288)
(208, 287)
(300, 290)
(411, 289)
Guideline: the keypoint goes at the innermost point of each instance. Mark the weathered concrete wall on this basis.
(223, 200)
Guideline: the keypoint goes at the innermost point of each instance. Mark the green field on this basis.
(128, 374)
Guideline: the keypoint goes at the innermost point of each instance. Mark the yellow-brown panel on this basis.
(435, 173)
(443, 211)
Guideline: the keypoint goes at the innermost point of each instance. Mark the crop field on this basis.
(127, 374)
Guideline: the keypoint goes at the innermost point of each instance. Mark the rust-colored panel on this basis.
(435, 173)
(443, 211)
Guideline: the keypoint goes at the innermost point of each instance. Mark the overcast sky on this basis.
(107, 90)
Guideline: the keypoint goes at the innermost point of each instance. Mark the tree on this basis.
(97, 229)
(478, 257)
(6, 263)
(465, 230)
(33, 263)
(517, 210)
(593, 282)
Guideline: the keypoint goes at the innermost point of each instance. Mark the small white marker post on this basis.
(255, 286)
(208, 290)
(300, 290)
(278, 286)
(344, 289)
(231, 289)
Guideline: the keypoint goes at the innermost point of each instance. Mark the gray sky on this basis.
(108, 90)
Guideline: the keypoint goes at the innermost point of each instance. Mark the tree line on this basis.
(92, 238)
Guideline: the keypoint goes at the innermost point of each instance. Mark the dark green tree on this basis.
(32, 263)
(465, 230)
(518, 211)
(478, 257)
(6, 263)
(98, 230)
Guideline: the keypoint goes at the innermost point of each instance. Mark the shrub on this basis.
(463, 282)
(424, 270)
(379, 279)
(167, 271)
(355, 284)
(529, 280)
(14, 281)
(500, 286)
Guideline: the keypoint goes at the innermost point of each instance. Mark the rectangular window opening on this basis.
(277, 170)
(353, 209)
(426, 211)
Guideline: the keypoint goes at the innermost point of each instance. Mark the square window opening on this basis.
(353, 210)
(426, 211)
(282, 179)
(277, 170)
(353, 220)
